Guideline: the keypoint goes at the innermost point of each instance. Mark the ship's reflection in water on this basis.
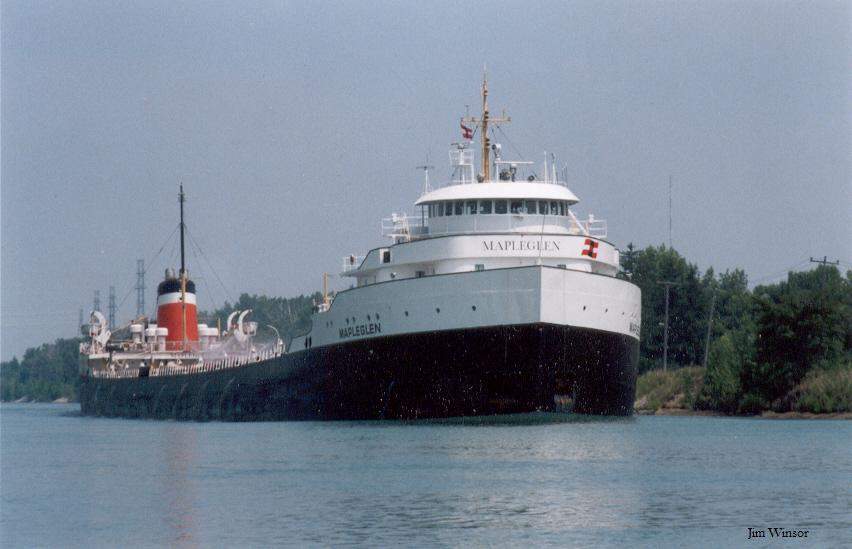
(534, 480)
(178, 484)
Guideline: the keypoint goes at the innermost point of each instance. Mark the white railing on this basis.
(468, 181)
(595, 227)
(402, 227)
(183, 369)
(408, 227)
(351, 263)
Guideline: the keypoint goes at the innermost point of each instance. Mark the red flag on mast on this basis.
(467, 133)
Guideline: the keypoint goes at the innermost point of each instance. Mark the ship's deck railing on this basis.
(468, 181)
(403, 228)
(351, 263)
(182, 369)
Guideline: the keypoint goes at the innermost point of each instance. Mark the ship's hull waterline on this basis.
(481, 371)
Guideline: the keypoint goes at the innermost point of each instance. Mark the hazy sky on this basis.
(296, 126)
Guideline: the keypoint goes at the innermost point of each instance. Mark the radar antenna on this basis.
(426, 169)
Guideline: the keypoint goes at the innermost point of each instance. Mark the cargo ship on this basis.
(494, 298)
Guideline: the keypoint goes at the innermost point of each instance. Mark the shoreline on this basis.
(671, 412)
(767, 414)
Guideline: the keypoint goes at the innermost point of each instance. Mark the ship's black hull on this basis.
(501, 369)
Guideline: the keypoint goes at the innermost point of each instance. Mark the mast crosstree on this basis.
(482, 123)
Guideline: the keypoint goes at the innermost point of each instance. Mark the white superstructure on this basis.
(483, 250)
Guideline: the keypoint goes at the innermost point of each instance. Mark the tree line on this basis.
(765, 342)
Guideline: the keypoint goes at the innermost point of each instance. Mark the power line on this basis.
(213, 269)
(168, 239)
(780, 273)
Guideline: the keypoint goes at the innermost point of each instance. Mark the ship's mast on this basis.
(483, 125)
(182, 199)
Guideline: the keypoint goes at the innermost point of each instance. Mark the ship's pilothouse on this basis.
(506, 214)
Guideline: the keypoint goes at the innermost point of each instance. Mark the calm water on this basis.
(649, 481)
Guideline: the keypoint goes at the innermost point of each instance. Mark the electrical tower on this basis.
(112, 308)
(96, 304)
(140, 287)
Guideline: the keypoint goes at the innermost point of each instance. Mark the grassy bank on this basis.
(682, 392)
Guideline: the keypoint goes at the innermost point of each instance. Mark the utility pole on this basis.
(80, 322)
(140, 287)
(709, 328)
(96, 303)
(825, 261)
(668, 284)
(112, 308)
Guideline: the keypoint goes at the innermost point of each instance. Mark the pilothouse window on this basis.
(471, 207)
(448, 208)
(516, 206)
(459, 207)
(543, 208)
(484, 206)
(531, 209)
(500, 206)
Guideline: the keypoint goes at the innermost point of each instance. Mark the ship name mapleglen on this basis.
(361, 330)
(520, 245)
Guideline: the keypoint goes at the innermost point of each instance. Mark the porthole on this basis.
(378, 317)
(406, 313)
(584, 307)
(437, 309)
(473, 307)
(606, 310)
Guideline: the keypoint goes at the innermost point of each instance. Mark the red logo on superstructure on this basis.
(591, 248)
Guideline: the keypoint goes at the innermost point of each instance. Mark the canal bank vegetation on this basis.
(784, 347)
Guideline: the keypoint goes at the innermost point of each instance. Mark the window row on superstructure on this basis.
(498, 207)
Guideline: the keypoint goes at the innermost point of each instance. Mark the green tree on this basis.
(802, 323)
(688, 305)
(290, 317)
